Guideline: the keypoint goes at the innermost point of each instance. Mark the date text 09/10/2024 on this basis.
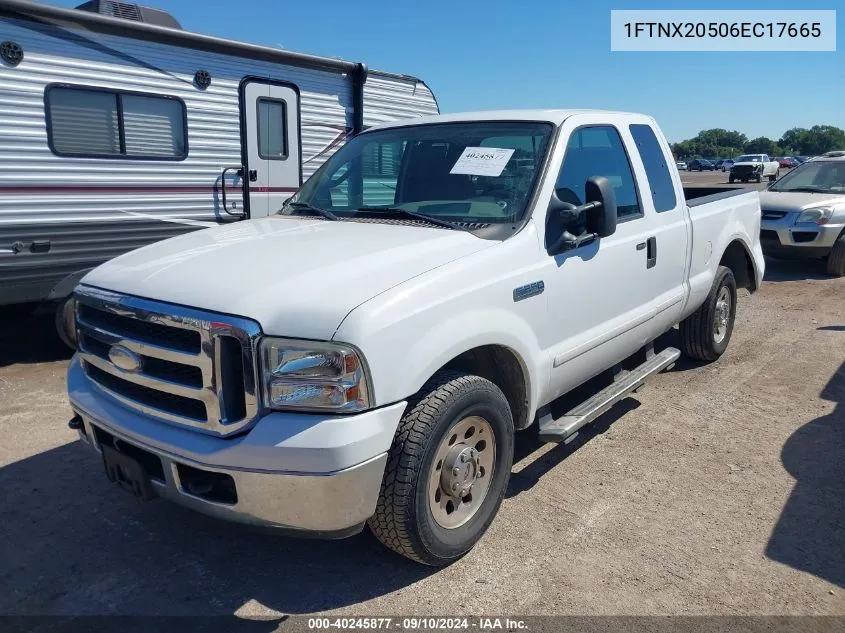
(418, 623)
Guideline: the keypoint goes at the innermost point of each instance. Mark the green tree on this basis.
(762, 145)
(823, 138)
(793, 139)
(817, 140)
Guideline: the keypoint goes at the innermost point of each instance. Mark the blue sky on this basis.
(481, 55)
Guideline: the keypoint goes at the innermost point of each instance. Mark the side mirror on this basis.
(599, 213)
(601, 220)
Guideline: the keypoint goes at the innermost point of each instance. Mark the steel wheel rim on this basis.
(461, 472)
(722, 315)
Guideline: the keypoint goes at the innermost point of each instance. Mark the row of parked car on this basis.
(725, 164)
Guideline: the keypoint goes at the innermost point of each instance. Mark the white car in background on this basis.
(681, 165)
(754, 167)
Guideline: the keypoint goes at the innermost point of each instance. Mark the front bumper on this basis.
(786, 238)
(746, 174)
(302, 473)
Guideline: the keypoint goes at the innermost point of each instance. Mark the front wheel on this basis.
(447, 469)
(731, 180)
(836, 259)
(705, 334)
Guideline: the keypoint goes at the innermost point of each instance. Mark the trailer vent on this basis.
(130, 11)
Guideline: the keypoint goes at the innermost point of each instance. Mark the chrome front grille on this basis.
(185, 366)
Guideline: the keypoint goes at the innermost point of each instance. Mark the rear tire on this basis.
(731, 180)
(836, 259)
(705, 334)
(426, 471)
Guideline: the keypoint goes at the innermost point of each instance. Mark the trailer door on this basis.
(270, 144)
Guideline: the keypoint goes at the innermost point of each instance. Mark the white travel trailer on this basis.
(118, 129)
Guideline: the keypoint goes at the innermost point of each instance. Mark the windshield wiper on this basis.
(416, 216)
(805, 189)
(304, 206)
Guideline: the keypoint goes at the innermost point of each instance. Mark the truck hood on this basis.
(798, 200)
(297, 277)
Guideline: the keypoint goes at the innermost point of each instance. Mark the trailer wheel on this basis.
(705, 334)
(773, 177)
(64, 320)
(730, 179)
(836, 259)
(447, 469)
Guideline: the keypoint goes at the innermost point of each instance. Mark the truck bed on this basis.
(702, 195)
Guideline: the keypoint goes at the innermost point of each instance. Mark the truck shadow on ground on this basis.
(73, 544)
(810, 533)
(795, 270)
(528, 442)
(29, 338)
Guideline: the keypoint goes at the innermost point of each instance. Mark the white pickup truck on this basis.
(754, 167)
(366, 355)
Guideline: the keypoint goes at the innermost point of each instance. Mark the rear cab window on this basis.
(657, 171)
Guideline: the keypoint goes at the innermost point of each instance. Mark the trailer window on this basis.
(272, 129)
(654, 161)
(95, 123)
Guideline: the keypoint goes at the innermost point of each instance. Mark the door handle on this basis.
(651, 252)
(240, 172)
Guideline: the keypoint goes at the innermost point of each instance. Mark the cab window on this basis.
(598, 151)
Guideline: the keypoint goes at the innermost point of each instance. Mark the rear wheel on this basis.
(447, 469)
(705, 334)
(836, 259)
(731, 179)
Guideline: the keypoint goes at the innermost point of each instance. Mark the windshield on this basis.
(749, 159)
(817, 175)
(467, 172)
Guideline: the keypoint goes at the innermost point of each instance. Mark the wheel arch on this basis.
(737, 257)
(504, 367)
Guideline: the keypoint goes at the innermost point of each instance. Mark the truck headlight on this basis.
(313, 376)
(816, 215)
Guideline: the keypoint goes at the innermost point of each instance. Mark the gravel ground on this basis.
(717, 489)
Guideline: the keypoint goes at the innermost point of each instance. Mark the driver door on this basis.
(599, 302)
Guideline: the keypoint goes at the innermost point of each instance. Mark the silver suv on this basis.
(804, 213)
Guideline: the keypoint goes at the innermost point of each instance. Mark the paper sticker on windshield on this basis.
(482, 161)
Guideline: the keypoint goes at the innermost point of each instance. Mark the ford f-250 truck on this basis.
(366, 355)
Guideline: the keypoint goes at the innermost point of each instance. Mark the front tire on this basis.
(836, 259)
(705, 334)
(447, 469)
(730, 180)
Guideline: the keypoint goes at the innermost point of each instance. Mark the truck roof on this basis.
(551, 116)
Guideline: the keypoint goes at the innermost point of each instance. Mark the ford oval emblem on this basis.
(124, 359)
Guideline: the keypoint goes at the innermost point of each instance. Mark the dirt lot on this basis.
(717, 489)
